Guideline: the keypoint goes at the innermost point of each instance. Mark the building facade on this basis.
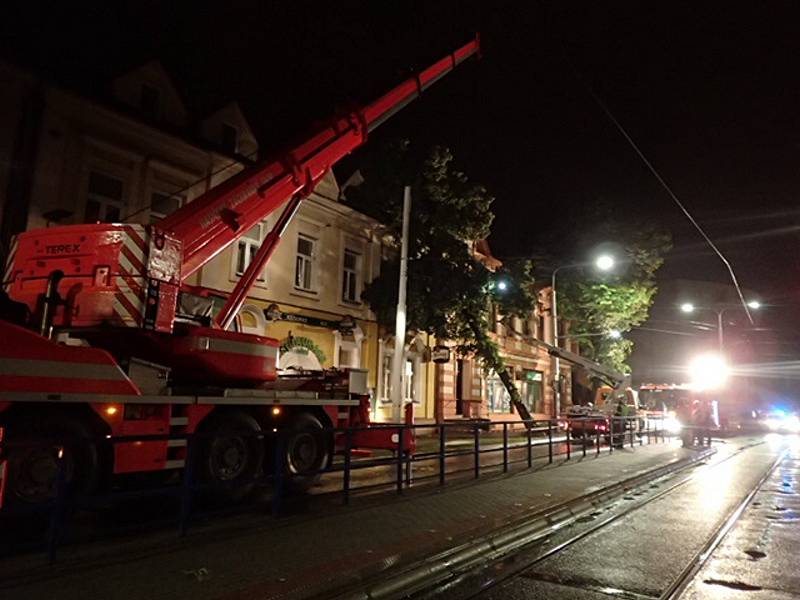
(465, 390)
(137, 154)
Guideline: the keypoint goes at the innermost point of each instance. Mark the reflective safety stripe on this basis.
(56, 368)
(234, 347)
(128, 266)
(2, 481)
(137, 237)
(129, 300)
(12, 252)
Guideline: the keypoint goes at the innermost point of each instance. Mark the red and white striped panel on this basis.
(12, 253)
(131, 279)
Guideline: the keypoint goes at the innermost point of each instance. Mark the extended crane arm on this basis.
(213, 221)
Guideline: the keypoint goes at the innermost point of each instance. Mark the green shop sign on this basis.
(274, 313)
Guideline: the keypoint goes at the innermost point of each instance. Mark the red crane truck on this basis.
(96, 343)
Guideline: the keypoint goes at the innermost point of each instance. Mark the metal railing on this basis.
(445, 452)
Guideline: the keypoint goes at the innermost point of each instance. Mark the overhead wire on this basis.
(595, 96)
(176, 193)
(675, 198)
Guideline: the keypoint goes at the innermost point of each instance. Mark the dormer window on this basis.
(149, 100)
(230, 138)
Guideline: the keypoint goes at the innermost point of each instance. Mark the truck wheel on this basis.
(33, 468)
(307, 451)
(232, 459)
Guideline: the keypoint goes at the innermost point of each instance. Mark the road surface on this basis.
(661, 541)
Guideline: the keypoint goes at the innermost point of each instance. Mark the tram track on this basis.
(680, 584)
(490, 575)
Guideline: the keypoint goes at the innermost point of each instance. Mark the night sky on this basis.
(710, 93)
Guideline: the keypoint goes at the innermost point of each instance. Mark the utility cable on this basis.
(661, 180)
(250, 156)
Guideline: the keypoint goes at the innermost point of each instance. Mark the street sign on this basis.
(440, 354)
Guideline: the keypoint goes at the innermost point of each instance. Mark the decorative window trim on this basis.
(354, 346)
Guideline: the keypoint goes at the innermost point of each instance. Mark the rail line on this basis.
(514, 568)
(680, 584)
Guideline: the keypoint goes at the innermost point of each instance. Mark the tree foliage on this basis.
(450, 294)
(595, 304)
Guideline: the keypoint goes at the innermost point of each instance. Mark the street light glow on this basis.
(605, 262)
(502, 285)
(708, 372)
(754, 304)
(687, 307)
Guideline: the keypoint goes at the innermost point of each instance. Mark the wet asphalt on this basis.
(641, 554)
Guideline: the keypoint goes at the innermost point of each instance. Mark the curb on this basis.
(436, 569)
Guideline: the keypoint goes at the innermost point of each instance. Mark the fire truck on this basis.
(667, 400)
(102, 339)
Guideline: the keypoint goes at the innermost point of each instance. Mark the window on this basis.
(410, 379)
(104, 199)
(350, 289)
(149, 97)
(527, 327)
(162, 205)
(249, 244)
(304, 265)
(530, 387)
(230, 138)
(386, 372)
(533, 391)
(498, 399)
(251, 320)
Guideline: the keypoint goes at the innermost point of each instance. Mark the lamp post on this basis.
(688, 307)
(604, 262)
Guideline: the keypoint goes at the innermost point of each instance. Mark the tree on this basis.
(450, 294)
(595, 305)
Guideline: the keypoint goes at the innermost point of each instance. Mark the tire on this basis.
(232, 458)
(33, 468)
(307, 451)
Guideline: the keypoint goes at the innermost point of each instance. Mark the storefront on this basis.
(530, 384)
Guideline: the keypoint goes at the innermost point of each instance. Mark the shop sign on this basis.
(440, 354)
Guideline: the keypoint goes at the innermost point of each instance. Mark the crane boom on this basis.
(91, 330)
(129, 275)
(213, 221)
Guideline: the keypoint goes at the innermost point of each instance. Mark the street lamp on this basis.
(604, 262)
(502, 285)
(688, 307)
